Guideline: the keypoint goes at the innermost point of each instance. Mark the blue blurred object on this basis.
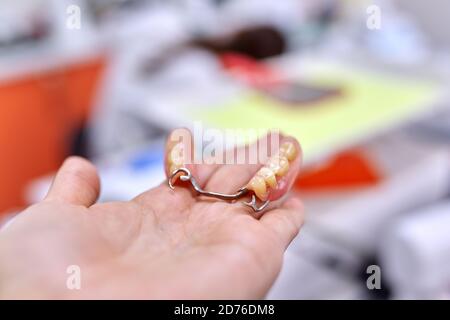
(144, 159)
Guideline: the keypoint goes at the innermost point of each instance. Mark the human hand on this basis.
(162, 244)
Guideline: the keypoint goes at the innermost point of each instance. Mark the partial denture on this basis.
(269, 177)
(270, 183)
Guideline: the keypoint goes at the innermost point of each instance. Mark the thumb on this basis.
(76, 182)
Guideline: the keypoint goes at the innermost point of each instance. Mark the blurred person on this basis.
(162, 244)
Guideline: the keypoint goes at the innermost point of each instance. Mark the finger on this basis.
(286, 221)
(76, 182)
(245, 162)
(232, 156)
(180, 153)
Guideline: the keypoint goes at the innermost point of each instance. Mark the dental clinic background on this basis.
(363, 85)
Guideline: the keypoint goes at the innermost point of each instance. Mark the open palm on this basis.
(162, 244)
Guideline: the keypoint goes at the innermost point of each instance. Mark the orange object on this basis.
(348, 169)
(38, 115)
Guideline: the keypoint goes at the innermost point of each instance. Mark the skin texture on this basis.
(161, 244)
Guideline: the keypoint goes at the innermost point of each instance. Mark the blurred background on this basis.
(362, 85)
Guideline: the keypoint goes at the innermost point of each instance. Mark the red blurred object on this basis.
(348, 169)
(250, 71)
(38, 115)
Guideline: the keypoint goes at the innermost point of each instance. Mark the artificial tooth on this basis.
(258, 185)
(279, 165)
(174, 167)
(268, 176)
(176, 159)
(178, 149)
(288, 150)
(176, 155)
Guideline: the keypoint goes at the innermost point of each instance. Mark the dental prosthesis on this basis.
(270, 183)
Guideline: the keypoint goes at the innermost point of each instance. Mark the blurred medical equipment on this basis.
(415, 251)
